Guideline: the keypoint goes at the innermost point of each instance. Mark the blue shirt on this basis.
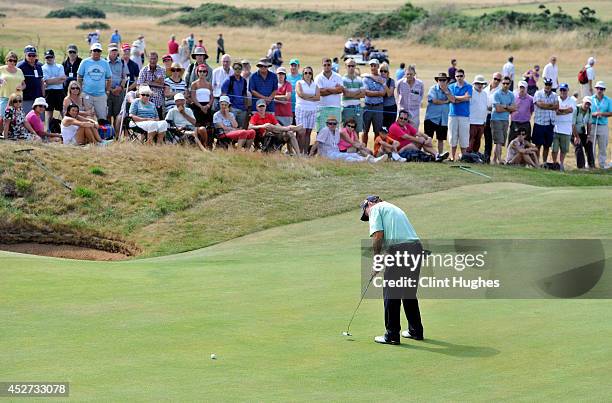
(118, 72)
(264, 86)
(600, 106)
(399, 74)
(293, 80)
(438, 114)
(238, 92)
(53, 71)
(462, 108)
(372, 85)
(33, 80)
(115, 38)
(95, 74)
(393, 222)
(502, 98)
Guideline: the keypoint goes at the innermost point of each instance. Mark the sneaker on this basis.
(379, 159)
(384, 340)
(441, 157)
(408, 335)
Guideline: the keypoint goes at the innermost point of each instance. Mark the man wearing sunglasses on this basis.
(32, 71)
(119, 72)
(53, 77)
(459, 113)
(503, 105)
(235, 87)
(494, 85)
(94, 77)
(71, 65)
(545, 115)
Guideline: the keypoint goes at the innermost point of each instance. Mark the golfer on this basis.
(392, 232)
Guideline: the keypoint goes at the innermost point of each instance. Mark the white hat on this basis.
(373, 61)
(479, 79)
(523, 84)
(281, 70)
(226, 99)
(40, 101)
(179, 96)
(587, 99)
(600, 84)
(144, 89)
(95, 46)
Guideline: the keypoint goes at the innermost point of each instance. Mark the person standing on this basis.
(503, 105)
(532, 76)
(564, 125)
(153, 76)
(545, 108)
(409, 94)
(263, 84)
(478, 113)
(582, 134)
(389, 102)
(330, 87)
(119, 72)
(375, 90)
(115, 37)
(220, 47)
(282, 99)
(508, 71)
(173, 49)
(307, 101)
(352, 93)
(32, 71)
(219, 75)
(293, 77)
(459, 114)
(200, 56)
(551, 72)
(277, 56)
(132, 70)
(12, 80)
(601, 110)
(521, 118)
(71, 65)
(587, 88)
(94, 77)
(451, 71)
(401, 72)
(494, 86)
(391, 233)
(436, 114)
(235, 87)
(53, 77)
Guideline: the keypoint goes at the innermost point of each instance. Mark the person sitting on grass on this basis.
(263, 123)
(15, 125)
(349, 141)
(227, 126)
(77, 130)
(183, 120)
(145, 116)
(411, 138)
(327, 145)
(383, 144)
(34, 119)
(522, 152)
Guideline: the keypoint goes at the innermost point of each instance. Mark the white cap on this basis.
(225, 98)
(95, 46)
(179, 96)
(600, 84)
(373, 61)
(523, 84)
(144, 89)
(40, 101)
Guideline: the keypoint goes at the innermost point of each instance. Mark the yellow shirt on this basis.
(11, 81)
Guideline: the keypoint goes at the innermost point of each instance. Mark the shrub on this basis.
(84, 192)
(212, 14)
(93, 25)
(80, 11)
(97, 171)
(23, 186)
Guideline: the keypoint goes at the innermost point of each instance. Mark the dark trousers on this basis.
(393, 301)
(582, 148)
(220, 52)
(488, 138)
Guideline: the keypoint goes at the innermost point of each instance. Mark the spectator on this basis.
(263, 84)
(132, 70)
(93, 37)
(220, 47)
(75, 97)
(503, 105)
(478, 113)
(15, 126)
(119, 72)
(521, 151)
(136, 54)
(153, 77)
(282, 98)
(353, 91)
(436, 114)
(183, 54)
(167, 64)
(199, 55)
(508, 71)
(53, 78)
(94, 77)
(115, 37)
(270, 52)
(493, 86)
(227, 126)
(521, 118)
(201, 98)
(410, 138)
(173, 49)
(78, 130)
(564, 125)
(389, 103)
(583, 142)
(375, 89)
(349, 139)
(263, 123)
(235, 86)
(307, 101)
(385, 145)
(335, 65)
(183, 120)
(11, 80)
(141, 46)
(246, 74)
(38, 124)
(546, 104)
(328, 139)
(191, 42)
(145, 115)
(71, 65)
(409, 94)
(451, 71)
(401, 72)
(32, 71)
(277, 56)
(587, 89)
(532, 76)
(551, 72)
(219, 75)
(330, 87)
(174, 85)
(601, 110)
(293, 77)
(459, 113)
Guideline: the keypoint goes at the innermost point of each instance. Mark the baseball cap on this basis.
(96, 46)
(260, 102)
(179, 96)
(112, 46)
(49, 53)
(600, 84)
(226, 99)
(547, 81)
(523, 84)
(373, 61)
(281, 70)
(364, 205)
(587, 100)
(166, 57)
(564, 86)
(72, 47)
(29, 49)
(245, 61)
(294, 61)
(125, 46)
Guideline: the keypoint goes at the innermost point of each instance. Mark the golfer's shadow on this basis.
(454, 350)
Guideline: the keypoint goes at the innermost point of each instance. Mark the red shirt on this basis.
(396, 132)
(173, 47)
(283, 109)
(257, 120)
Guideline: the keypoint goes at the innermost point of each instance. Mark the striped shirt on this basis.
(174, 87)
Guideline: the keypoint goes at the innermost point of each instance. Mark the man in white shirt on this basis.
(330, 84)
(587, 88)
(551, 72)
(478, 113)
(564, 124)
(508, 71)
(354, 90)
(219, 75)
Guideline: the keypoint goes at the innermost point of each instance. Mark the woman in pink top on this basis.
(349, 139)
(282, 100)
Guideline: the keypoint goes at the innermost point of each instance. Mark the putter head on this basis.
(346, 334)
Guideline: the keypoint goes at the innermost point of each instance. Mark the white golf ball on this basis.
(213, 356)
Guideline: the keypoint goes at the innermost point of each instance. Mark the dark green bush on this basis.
(93, 25)
(80, 11)
(212, 14)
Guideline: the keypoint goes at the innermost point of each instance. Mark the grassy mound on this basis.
(172, 199)
(93, 25)
(80, 11)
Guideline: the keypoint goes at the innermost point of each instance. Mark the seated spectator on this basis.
(144, 115)
(201, 97)
(227, 126)
(77, 130)
(385, 145)
(33, 118)
(181, 118)
(328, 139)
(521, 151)
(15, 125)
(76, 97)
(349, 139)
(264, 123)
(175, 84)
(411, 138)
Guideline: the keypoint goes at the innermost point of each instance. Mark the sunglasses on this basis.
(145, 95)
(326, 64)
(12, 60)
(308, 72)
(202, 71)
(175, 70)
(49, 57)
(32, 55)
(384, 71)
(459, 76)
(17, 101)
(97, 51)
(75, 88)
(350, 65)
(351, 126)
(72, 52)
(403, 119)
(505, 83)
(261, 106)
(442, 80)
(332, 123)
(236, 67)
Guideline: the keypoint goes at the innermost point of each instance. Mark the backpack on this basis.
(416, 156)
(473, 158)
(583, 78)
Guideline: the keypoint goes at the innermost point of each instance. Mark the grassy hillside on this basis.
(172, 199)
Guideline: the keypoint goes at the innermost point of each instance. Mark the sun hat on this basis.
(547, 81)
(523, 84)
(441, 75)
(40, 101)
(245, 61)
(226, 99)
(179, 96)
(144, 89)
(332, 117)
(600, 84)
(177, 66)
(364, 206)
(479, 79)
(564, 86)
(236, 63)
(263, 62)
(199, 51)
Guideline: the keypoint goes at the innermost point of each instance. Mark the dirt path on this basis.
(64, 251)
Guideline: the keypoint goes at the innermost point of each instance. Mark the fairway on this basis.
(272, 305)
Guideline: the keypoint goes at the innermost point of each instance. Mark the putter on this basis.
(348, 328)
(464, 168)
(42, 166)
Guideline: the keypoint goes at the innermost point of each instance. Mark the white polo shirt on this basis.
(324, 82)
(563, 123)
(218, 77)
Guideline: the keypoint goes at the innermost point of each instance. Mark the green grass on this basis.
(272, 305)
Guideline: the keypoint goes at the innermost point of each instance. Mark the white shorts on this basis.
(151, 126)
(459, 131)
(305, 118)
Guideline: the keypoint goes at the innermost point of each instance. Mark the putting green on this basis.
(272, 306)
